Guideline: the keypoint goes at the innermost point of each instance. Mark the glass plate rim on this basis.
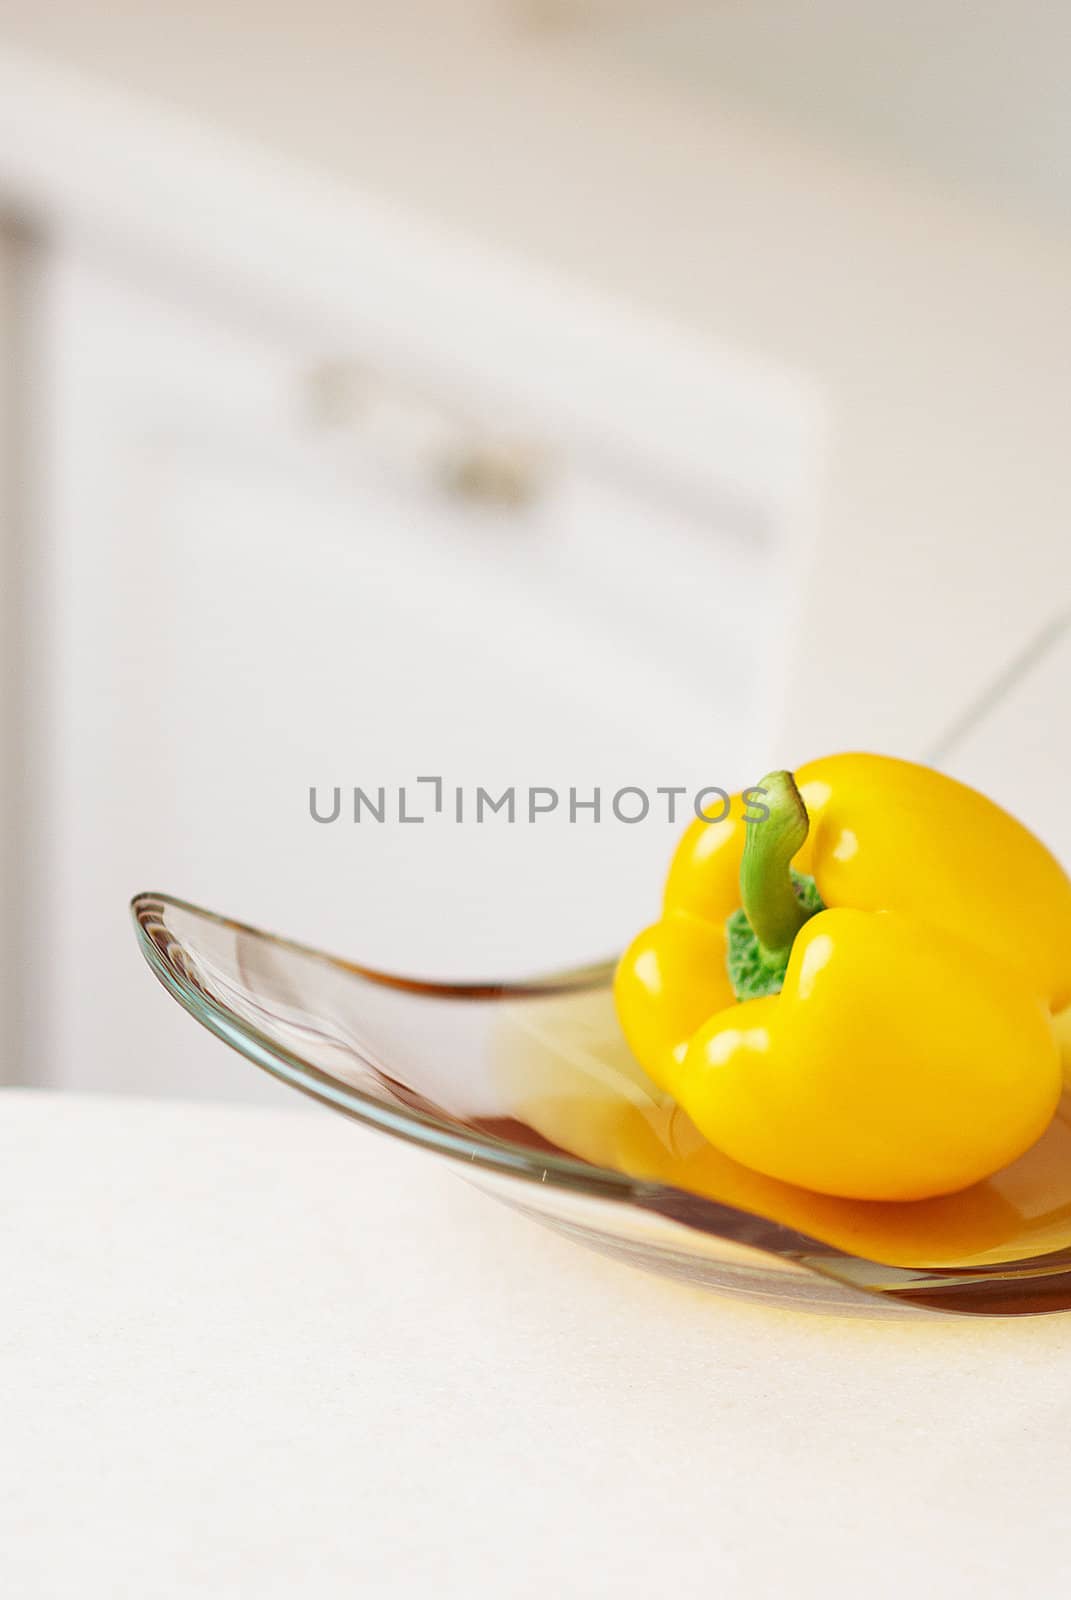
(474, 1148)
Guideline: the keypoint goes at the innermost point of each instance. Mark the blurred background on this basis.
(569, 393)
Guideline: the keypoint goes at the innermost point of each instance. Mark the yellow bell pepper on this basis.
(876, 1022)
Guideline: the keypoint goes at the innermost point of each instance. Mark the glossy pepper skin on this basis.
(911, 1050)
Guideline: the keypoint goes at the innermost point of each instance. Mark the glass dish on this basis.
(531, 1088)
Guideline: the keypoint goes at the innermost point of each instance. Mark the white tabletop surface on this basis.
(248, 1352)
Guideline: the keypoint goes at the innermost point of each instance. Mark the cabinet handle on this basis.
(438, 440)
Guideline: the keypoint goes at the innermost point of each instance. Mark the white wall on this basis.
(940, 335)
(973, 92)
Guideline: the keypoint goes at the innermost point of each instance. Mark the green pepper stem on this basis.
(770, 902)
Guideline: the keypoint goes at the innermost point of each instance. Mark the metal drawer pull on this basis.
(408, 427)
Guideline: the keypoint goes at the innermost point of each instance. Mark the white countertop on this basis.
(256, 1352)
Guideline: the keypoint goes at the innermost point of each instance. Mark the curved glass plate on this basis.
(532, 1087)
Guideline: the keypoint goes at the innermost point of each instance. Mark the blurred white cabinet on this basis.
(263, 571)
(10, 797)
